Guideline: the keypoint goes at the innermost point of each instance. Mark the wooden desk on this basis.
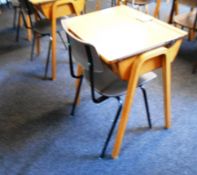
(132, 43)
(53, 9)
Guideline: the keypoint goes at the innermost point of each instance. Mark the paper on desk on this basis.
(144, 18)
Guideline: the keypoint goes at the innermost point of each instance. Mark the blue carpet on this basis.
(38, 136)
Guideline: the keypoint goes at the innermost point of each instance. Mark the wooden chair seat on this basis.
(186, 20)
(189, 3)
(142, 2)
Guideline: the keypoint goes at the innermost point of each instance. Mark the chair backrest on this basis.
(96, 72)
(85, 54)
(27, 7)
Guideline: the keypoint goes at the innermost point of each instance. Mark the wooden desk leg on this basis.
(166, 72)
(125, 112)
(37, 44)
(29, 34)
(157, 8)
(77, 82)
(20, 21)
(53, 65)
(98, 5)
(176, 7)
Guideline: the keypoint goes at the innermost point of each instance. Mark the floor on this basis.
(38, 136)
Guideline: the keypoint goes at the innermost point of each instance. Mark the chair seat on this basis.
(44, 26)
(118, 87)
(142, 2)
(189, 3)
(145, 78)
(186, 20)
(15, 3)
(115, 88)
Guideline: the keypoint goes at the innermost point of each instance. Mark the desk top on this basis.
(48, 1)
(40, 1)
(121, 32)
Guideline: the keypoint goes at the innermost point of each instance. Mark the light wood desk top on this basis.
(40, 1)
(121, 32)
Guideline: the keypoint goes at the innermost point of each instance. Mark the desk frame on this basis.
(52, 10)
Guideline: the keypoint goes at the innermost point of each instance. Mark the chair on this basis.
(141, 3)
(186, 20)
(103, 82)
(16, 6)
(40, 28)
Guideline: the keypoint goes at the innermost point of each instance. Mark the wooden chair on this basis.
(185, 20)
(140, 4)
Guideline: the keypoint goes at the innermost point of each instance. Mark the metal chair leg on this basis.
(14, 18)
(102, 155)
(48, 58)
(76, 96)
(146, 105)
(32, 47)
(194, 68)
(62, 39)
(113, 3)
(18, 26)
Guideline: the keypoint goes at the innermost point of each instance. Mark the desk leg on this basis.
(53, 65)
(77, 82)
(166, 72)
(37, 44)
(29, 34)
(157, 8)
(132, 84)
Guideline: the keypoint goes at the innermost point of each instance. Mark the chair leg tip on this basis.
(102, 155)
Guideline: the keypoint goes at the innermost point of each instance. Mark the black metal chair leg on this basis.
(194, 68)
(113, 3)
(32, 47)
(170, 20)
(146, 105)
(14, 18)
(102, 155)
(76, 95)
(48, 58)
(18, 26)
(62, 39)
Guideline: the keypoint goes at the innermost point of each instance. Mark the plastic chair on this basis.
(40, 28)
(103, 82)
